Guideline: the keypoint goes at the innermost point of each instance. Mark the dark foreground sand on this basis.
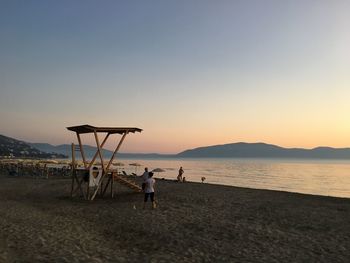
(193, 223)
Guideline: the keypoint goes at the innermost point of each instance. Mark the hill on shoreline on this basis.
(10, 147)
(231, 150)
(263, 150)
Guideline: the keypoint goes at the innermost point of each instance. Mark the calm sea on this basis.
(321, 177)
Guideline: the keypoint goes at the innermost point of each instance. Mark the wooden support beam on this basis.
(99, 152)
(82, 151)
(96, 154)
(98, 187)
(106, 186)
(117, 149)
(73, 168)
(88, 187)
(101, 189)
(112, 185)
(79, 187)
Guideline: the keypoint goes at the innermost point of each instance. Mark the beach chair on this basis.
(125, 174)
(126, 182)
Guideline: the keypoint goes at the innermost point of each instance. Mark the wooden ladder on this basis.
(127, 183)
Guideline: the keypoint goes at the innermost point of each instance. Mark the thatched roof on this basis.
(89, 129)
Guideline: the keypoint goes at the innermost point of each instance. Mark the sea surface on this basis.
(319, 177)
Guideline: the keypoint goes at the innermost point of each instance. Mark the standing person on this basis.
(179, 177)
(149, 190)
(144, 178)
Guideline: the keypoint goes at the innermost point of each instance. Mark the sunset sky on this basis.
(189, 73)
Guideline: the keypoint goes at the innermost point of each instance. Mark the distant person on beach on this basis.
(145, 177)
(149, 190)
(181, 172)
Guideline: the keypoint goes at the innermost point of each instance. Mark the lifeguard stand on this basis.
(108, 175)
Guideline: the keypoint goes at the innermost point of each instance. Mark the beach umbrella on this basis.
(49, 161)
(158, 170)
(136, 165)
(78, 162)
(118, 164)
(65, 162)
(30, 161)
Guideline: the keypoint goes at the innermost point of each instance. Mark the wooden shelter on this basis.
(81, 176)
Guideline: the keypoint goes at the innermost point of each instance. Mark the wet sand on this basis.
(194, 222)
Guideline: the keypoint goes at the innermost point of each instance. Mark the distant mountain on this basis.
(90, 151)
(232, 150)
(10, 147)
(263, 150)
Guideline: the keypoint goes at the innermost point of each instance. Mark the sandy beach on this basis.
(194, 222)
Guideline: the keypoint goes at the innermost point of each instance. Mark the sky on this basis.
(189, 73)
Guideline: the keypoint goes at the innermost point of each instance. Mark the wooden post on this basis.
(106, 186)
(75, 177)
(88, 186)
(99, 151)
(112, 184)
(73, 169)
(116, 150)
(82, 150)
(101, 188)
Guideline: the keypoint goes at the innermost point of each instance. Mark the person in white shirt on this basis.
(144, 177)
(149, 190)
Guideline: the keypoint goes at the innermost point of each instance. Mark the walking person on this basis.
(144, 177)
(149, 190)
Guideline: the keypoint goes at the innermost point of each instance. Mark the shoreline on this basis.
(251, 188)
(307, 178)
(263, 189)
(194, 222)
